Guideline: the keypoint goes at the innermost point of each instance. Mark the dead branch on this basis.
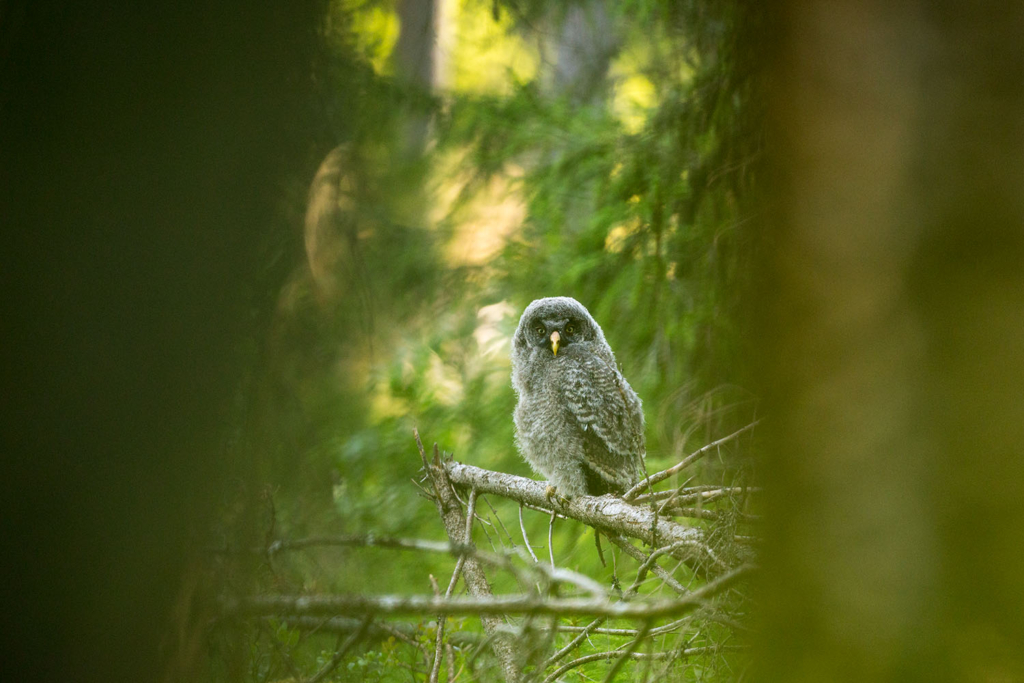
(343, 649)
(628, 652)
(456, 489)
(457, 526)
(526, 539)
(686, 462)
(496, 605)
(607, 513)
(368, 541)
(640, 557)
(693, 494)
(386, 605)
(598, 656)
(400, 630)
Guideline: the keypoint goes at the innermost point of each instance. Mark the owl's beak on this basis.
(554, 342)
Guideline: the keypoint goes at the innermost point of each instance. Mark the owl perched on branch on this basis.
(578, 422)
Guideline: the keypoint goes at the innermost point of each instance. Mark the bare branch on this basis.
(713, 515)
(593, 627)
(526, 539)
(501, 524)
(386, 605)
(686, 462)
(330, 605)
(693, 494)
(368, 541)
(607, 513)
(628, 652)
(340, 654)
(583, 633)
(401, 630)
(470, 514)
(457, 528)
(639, 556)
(598, 656)
(435, 667)
(551, 545)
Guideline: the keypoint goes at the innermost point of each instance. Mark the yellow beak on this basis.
(554, 342)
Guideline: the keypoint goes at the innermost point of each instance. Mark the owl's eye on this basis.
(570, 329)
(539, 329)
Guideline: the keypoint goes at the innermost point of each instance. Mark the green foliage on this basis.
(646, 226)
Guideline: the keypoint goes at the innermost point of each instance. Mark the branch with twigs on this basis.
(493, 605)
(639, 523)
(608, 514)
(685, 462)
(459, 528)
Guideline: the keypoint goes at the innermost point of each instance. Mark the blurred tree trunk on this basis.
(583, 39)
(892, 344)
(415, 64)
(579, 44)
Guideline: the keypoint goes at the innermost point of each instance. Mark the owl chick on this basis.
(578, 422)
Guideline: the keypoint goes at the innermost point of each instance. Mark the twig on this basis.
(340, 654)
(403, 631)
(551, 545)
(419, 447)
(598, 656)
(285, 655)
(686, 462)
(672, 498)
(646, 565)
(691, 494)
(631, 632)
(639, 556)
(435, 667)
(500, 523)
(691, 513)
(628, 652)
(593, 627)
(526, 540)
(367, 541)
(713, 515)
(583, 633)
(470, 513)
(455, 575)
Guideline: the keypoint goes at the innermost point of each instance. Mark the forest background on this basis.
(479, 156)
(155, 169)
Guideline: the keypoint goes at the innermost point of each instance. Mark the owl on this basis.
(578, 422)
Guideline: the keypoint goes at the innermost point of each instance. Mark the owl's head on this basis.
(553, 324)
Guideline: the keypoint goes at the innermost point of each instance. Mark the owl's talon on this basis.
(554, 496)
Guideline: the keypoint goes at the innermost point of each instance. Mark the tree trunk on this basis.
(892, 344)
(415, 66)
(583, 41)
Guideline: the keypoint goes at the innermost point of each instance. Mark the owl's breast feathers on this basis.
(608, 414)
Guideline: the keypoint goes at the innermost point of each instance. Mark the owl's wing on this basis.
(609, 414)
